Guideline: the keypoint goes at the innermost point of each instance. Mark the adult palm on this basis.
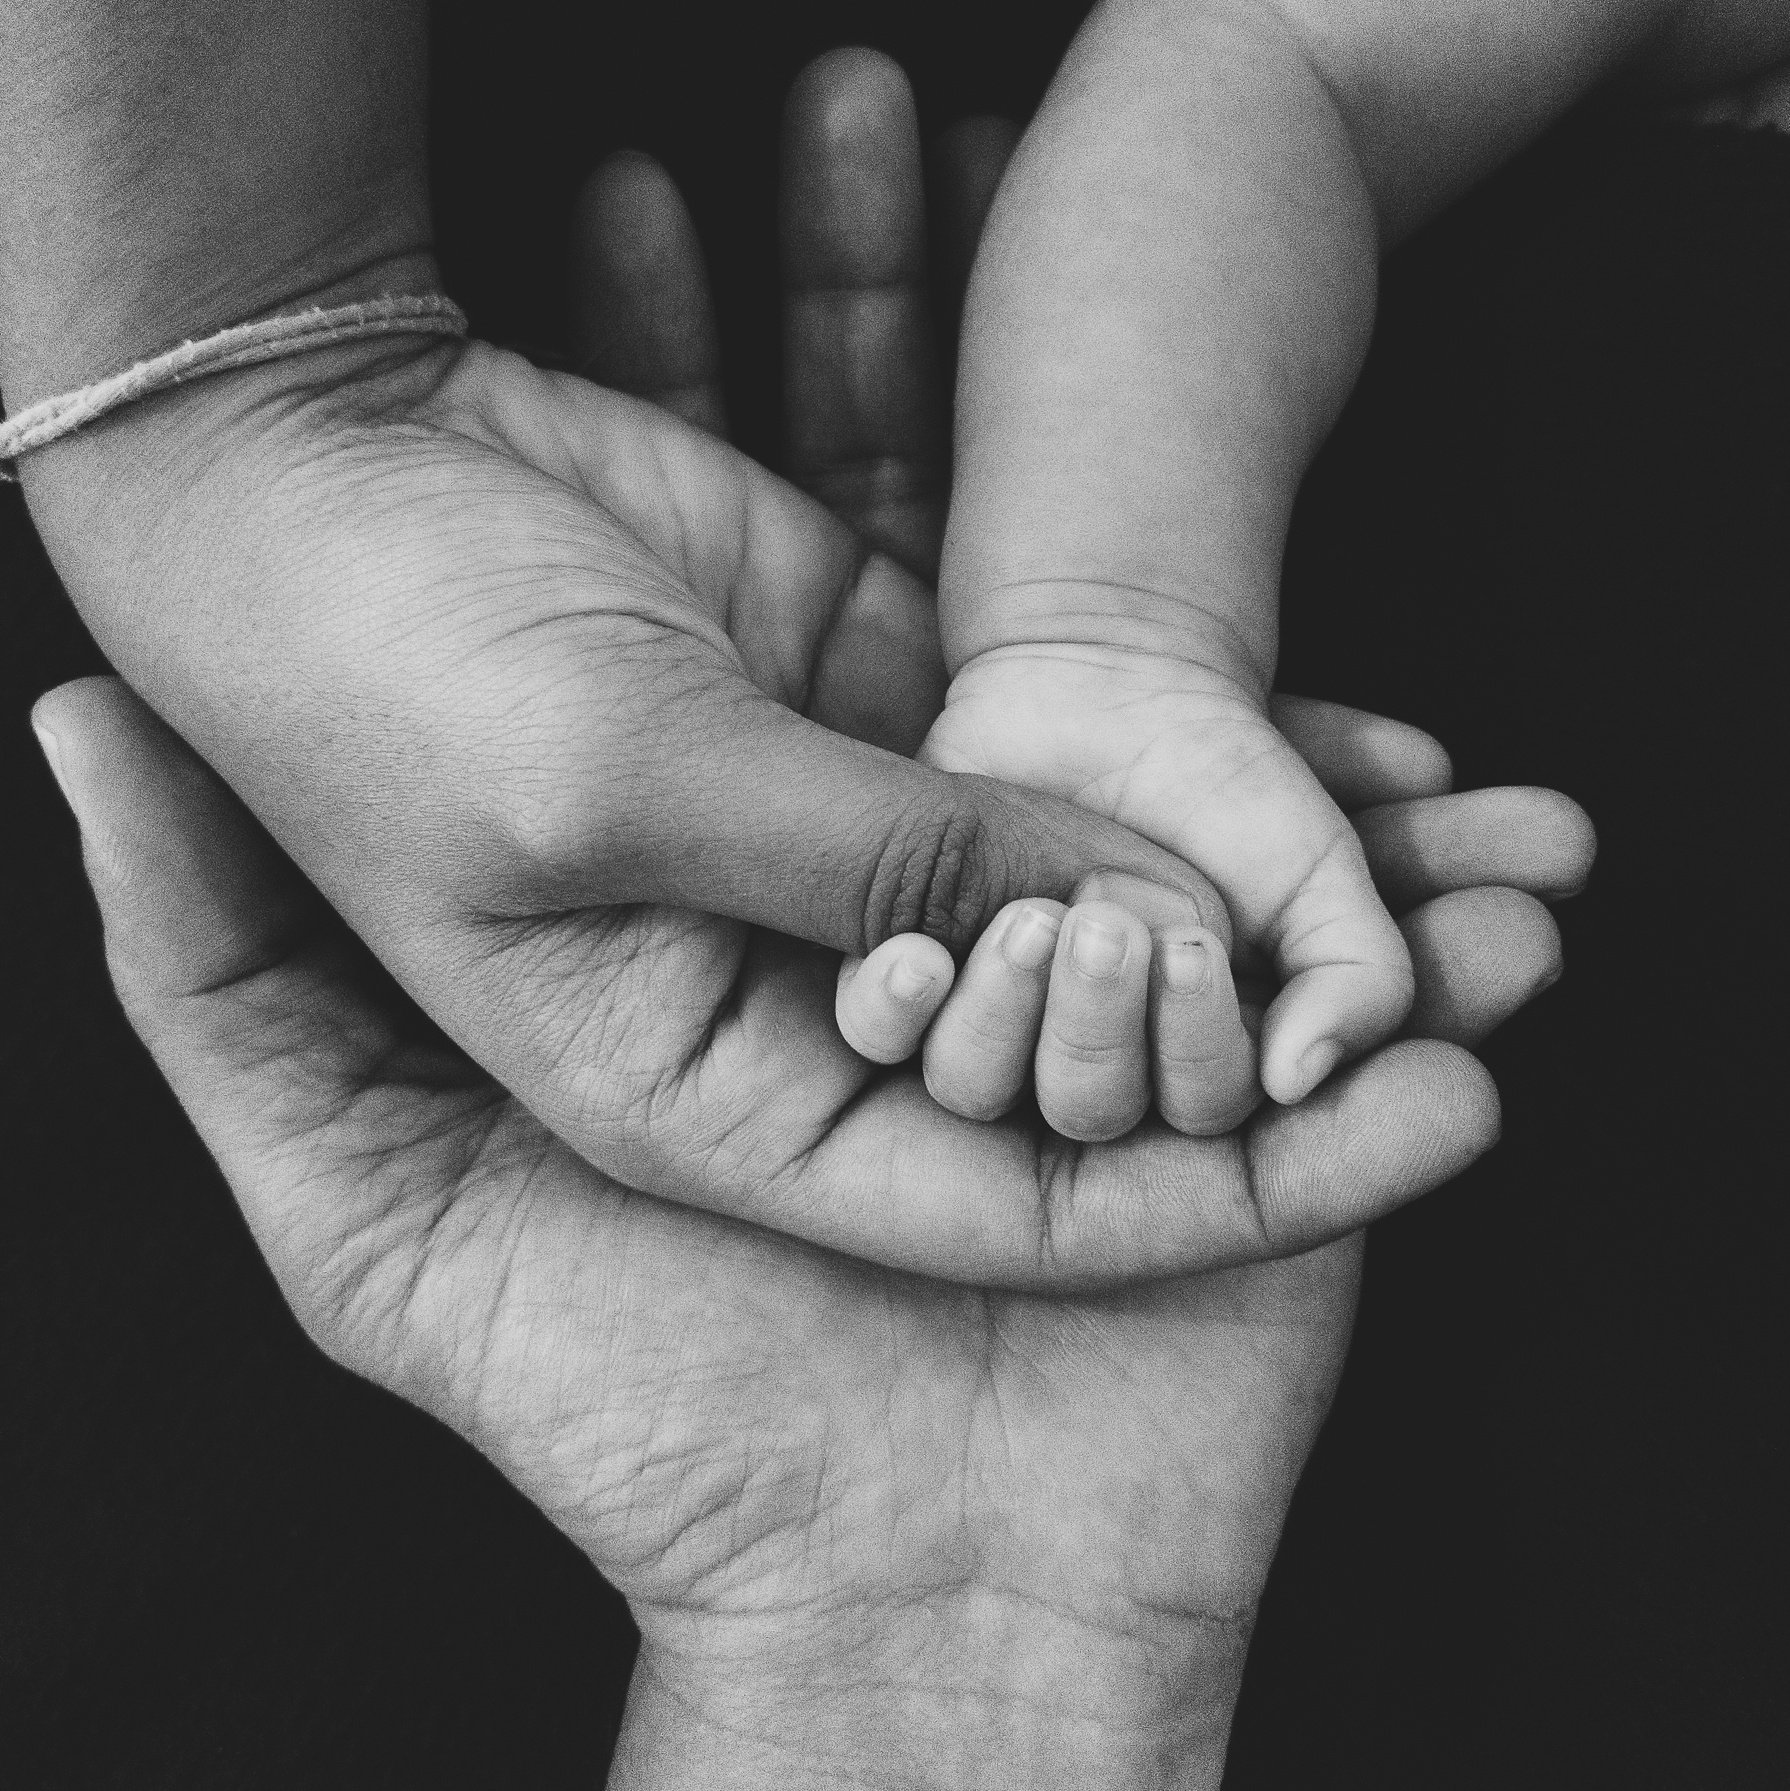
(823, 1486)
(556, 697)
(859, 1515)
(553, 696)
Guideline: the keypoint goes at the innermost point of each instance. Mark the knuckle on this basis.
(1572, 835)
(933, 877)
(1091, 1116)
(967, 1093)
(1079, 1052)
(1203, 1056)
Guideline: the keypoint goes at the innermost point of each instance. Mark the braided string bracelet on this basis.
(244, 345)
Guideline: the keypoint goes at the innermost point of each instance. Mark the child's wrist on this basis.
(1228, 630)
(1200, 659)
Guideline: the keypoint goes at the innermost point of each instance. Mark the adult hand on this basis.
(507, 662)
(861, 1518)
(870, 1525)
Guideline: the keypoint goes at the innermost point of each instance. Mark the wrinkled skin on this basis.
(848, 1505)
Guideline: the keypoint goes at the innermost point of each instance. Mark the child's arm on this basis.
(1170, 305)
(1175, 289)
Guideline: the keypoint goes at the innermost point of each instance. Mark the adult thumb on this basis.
(761, 815)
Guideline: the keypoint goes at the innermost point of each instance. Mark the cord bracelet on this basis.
(242, 345)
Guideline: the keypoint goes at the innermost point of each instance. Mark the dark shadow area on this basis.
(1531, 1547)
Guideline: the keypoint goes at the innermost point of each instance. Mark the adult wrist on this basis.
(168, 170)
(1011, 1700)
(152, 514)
(369, 258)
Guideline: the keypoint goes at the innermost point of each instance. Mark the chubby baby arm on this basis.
(1104, 1007)
(1172, 300)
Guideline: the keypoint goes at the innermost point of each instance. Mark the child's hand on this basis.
(1099, 1004)
(1187, 758)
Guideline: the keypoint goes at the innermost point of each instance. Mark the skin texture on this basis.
(580, 719)
(872, 1526)
(854, 1511)
(1170, 308)
(1097, 1042)
(296, 567)
(296, 1063)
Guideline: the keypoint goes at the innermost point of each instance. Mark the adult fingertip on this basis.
(1480, 955)
(51, 747)
(849, 76)
(1574, 837)
(1425, 763)
(1362, 758)
(78, 705)
(1394, 755)
(1469, 1116)
(1392, 1128)
(67, 721)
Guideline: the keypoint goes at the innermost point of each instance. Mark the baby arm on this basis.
(1171, 303)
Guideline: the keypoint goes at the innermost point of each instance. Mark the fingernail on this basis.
(52, 751)
(1154, 904)
(1030, 939)
(1096, 950)
(1317, 1062)
(908, 982)
(1186, 965)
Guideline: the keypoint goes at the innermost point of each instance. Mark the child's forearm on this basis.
(1177, 285)
(1172, 297)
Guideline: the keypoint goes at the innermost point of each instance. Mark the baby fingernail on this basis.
(1030, 939)
(1318, 1061)
(1095, 949)
(1186, 968)
(907, 981)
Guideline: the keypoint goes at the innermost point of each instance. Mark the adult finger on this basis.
(750, 811)
(698, 784)
(1532, 839)
(258, 1010)
(1010, 1206)
(1360, 757)
(428, 1232)
(863, 401)
(1480, 955)
(642, 319)
(250, 994)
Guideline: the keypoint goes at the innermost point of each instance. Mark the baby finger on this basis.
(1092, 1068)
(1205, 1064)
(886, 1001)
(979, 1052)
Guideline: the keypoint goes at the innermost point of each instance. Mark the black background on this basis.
(1532, 1548)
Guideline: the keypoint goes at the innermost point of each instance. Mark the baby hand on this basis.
(1186, 757)
(1099, 1005)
